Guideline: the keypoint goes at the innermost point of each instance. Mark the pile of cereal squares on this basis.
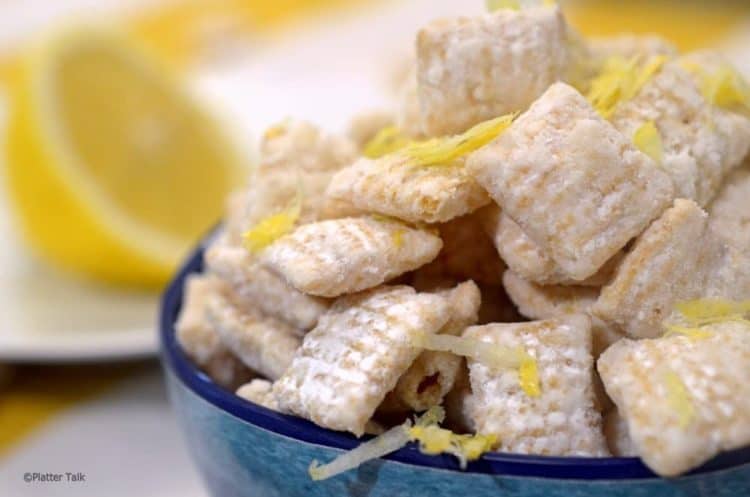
(549, 239)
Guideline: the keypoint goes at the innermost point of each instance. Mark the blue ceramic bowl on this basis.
(244, 450)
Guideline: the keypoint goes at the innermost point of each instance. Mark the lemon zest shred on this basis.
(398, 238)
(652, 66)
(434, 440)
(713, 310)
(692, 333)
(446, 150)
(273, 227)
(387, 141)
(694, 317)
(620, 80)
(725, 88)
(728, 89)
(528, 376)
(648, 140)
(678, 398)
(390, 441)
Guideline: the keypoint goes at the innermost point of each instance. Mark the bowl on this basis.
(245, 450)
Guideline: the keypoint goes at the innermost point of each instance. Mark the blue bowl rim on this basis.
(495, 463)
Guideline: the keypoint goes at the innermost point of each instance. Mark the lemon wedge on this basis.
(112, 169)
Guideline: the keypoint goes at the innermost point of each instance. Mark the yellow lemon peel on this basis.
(273, 227)
(648, 140)
(678, 398)
(446, 150)
(383, 444)
(620, 80)
(387, 141)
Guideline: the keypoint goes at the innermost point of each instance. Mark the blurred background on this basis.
(124, 125)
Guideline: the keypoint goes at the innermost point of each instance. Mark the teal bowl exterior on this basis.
(244, 450)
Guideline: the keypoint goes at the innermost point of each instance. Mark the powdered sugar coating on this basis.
(729, 214)
(526, 258)
(255, 286)
(301, 146)
(263, 344)
(580, 204)
(260, 392)
(432, 374)
(339, 256)
(618, 439)
(562, 421)
(701, 143)
(714, 372)
(653, 275)
(356, 354)
(199, 339)
(393, 186)
(473, 69)
(545, 302)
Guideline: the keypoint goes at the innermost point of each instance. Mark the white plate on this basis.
(50, 317)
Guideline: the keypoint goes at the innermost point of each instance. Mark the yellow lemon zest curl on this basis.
(273, 227)
(648, 140)
(692, 333)
(387, 141)
(709, 311)
(694, 318)
(725, 87)
(620, 80)
(678, 398)
(528, 376)
(446, 150)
